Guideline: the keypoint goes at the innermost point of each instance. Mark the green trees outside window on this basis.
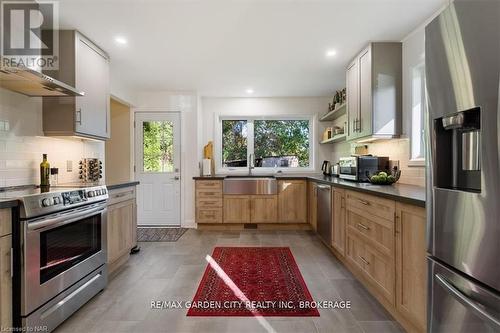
(277, 143)
(158, 146)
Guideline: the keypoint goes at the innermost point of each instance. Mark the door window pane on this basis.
(281, 143)
(158, 141)
(234, 143)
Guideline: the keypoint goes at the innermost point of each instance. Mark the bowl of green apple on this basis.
(384, 177)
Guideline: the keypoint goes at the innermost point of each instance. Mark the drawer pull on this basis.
(362, 226)
(364, 260)
(364, 202)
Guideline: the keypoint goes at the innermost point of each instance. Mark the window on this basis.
(275, 142)
(417, 147)
(234, 143)
(281, 143)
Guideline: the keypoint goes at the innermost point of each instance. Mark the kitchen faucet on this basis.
(251, 163)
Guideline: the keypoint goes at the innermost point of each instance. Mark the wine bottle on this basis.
(44, 172)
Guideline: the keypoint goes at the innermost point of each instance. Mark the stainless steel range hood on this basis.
(34, 84)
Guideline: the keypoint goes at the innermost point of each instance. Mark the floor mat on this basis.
(252, 281)
(159, 234)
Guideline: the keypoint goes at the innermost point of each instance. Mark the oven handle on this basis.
(63, 220)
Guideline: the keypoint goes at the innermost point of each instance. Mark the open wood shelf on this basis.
(335, 138)
(332, 115)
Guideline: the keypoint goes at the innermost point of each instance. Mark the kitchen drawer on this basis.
(355, 250)
(121, 194)
(375, 267)
(381, 273)
(370, 205)
(375, 230)
(206, 194)
(5, 222)
(209, 202)
(208, 215)
(209, 185)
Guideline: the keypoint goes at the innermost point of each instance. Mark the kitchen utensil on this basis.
(326, 168)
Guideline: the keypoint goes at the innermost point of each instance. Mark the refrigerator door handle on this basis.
(466, 301)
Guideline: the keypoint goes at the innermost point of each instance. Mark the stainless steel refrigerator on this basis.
(462, 54)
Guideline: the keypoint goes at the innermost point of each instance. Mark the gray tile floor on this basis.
(172, 271)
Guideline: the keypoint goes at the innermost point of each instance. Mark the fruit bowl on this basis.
(385, 178)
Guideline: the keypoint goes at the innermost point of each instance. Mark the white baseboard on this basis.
(189, 224)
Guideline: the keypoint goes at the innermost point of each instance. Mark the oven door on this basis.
(59, 250)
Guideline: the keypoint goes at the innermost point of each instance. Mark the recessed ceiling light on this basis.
(331, 53)
(120, 40)
(249, 91)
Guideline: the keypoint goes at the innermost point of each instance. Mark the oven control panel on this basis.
(57, 199)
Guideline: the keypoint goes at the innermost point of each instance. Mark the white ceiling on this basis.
(222, 48)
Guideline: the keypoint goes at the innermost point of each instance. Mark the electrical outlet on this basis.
(69, 166)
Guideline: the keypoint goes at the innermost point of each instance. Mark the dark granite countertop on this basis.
(214, 177)
(8, 203)
(117, 185)
(410, 194)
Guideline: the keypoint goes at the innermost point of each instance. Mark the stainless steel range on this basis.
(62, 253)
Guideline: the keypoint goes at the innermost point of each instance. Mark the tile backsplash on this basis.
(396, 149)
(22, 143)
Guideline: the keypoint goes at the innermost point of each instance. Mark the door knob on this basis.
(177, 177)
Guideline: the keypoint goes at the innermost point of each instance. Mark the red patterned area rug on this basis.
(252, 281)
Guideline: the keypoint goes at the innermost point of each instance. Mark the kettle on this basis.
(326, 168)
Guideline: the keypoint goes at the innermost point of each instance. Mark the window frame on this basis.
(418, 134)
(251, 141)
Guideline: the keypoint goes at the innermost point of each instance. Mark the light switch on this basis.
(69, 166)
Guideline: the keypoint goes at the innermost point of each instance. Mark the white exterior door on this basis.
(157, 168)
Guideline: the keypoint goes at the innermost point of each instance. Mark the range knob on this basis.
(57, 200)
(91, 194)
(47, 202)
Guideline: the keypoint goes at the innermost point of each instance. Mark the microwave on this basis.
(360, 168)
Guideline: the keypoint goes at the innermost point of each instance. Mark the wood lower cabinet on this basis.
(339, 227)
(312, 198)
(411, 267)
(386, 250)
(209, 201)
(370, 221)
(121, 226)
(236, 209)
(5, 272)
(379, 268)
(264, 209)
(292, 201)
(250, 209)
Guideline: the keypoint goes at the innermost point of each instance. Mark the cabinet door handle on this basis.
(11, 262)
(362, 226)
(364, 260)
(364, 202)
(78, 116)
(342, 203)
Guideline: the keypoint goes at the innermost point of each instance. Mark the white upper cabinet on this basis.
(352, 98)
(86, 67)
(374, 86)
